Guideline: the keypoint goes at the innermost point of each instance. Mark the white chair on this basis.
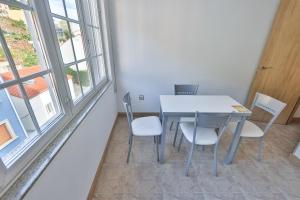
(250, 130)
(183, 90)
(207, 129)
(143, 126)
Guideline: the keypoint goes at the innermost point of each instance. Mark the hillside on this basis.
(19, 42)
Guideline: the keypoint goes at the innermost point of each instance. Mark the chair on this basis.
(206, 130)
(143, 126)
(183, 90)
(250, 130)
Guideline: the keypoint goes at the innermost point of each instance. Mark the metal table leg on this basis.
(235, 142)
(163, 139)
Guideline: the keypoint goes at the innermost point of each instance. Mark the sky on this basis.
(57, 7)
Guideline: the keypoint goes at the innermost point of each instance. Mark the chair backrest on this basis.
(270, 105)
(215, 121)
(128, 109)
(185, 89)
(212, 120)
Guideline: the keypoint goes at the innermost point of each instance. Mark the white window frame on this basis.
(68, 110)
(82, 101)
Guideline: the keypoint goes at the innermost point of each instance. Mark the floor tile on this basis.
(224, 196)
(144, 178)
(185, 196)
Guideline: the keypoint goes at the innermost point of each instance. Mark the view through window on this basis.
(27, 92)
(69, 31)
(80, 41)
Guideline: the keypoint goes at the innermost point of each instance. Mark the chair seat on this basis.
(187, 119)
(249, 130)
(204, 136)
(146, 126)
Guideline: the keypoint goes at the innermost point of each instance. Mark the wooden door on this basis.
(278, 74)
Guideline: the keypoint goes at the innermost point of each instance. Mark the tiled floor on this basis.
(143, 178)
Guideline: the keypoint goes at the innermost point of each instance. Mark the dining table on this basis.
(186, 105)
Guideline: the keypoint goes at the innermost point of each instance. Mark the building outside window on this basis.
(22, 61)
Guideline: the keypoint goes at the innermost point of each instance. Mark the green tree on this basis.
(2, 55)
(30, 59)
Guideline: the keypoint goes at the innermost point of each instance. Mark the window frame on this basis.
(51, 127)
(19, 163)
(83, 100)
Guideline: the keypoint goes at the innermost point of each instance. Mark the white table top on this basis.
(201, 103)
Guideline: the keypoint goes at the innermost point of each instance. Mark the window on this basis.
(80, 42)
(49, 108)
(47, 74)
(25, 78)
(90, 10)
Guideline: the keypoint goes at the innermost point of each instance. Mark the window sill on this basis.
(22, 184)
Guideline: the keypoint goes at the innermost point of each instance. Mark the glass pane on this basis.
(98, 41)
(22, 40)
(23, 1)
(57, 7)
(84, 76)
(73, 82)
(5, 70)
(71, 9)
(43, 99)
(77, 41)
(15, 122)
(64, 38)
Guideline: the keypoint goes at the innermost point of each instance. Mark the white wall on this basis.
(70, 174)
(211, 42)
(23, 113)
(39, 103)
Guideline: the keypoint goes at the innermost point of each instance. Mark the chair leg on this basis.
(129, 149)
(261, 149)
(180, 142)
(215, 161)
(187, 167)
(176, 132)
(157, 147)
(171, 125)
(129, 138)
(154, 138)
(158, 139)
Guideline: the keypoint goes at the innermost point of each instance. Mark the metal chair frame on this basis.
(270, 105)
(182, 89)
(217, 122)
(129, 114)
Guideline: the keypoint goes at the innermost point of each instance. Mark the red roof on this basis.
(33, 88)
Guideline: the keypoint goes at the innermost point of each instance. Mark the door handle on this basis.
(264, 67)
